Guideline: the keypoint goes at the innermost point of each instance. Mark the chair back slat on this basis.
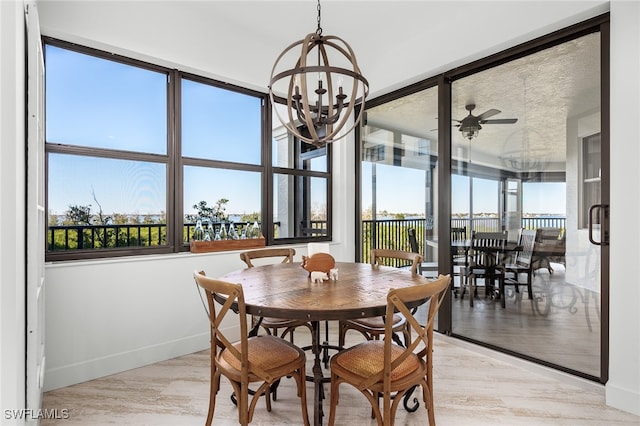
(459, 234)
(486, 248)
(526, 243)
(413, 240)
(286, 253)
(218, 311)
(414, 258)
(405, 301)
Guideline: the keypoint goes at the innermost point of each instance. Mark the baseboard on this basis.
(623, 399)
(100, 367)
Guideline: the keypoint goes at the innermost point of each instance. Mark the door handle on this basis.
(604, 234)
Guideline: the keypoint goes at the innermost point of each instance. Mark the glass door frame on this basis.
(599, 24)
(444, 84)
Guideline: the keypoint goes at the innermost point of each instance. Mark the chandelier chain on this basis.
(319, 30)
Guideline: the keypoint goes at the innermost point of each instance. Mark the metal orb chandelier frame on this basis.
(317, 114)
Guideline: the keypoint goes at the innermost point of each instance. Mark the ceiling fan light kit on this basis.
(471, 125)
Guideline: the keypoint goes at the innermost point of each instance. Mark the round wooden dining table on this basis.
(285, 290)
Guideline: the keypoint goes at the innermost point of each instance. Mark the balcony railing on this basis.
(393, 233)
(79, 237)
(386, 233)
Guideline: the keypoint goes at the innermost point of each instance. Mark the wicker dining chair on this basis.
(373, 328)
(264, 359)
(272, 325)
(384, 369)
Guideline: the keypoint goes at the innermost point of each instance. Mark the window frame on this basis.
(175, 162)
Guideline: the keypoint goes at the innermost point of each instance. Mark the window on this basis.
(398, 177)
(106, 144)
(222, 157)
(301, 187)
(136, 153)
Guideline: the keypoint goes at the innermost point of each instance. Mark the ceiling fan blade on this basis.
(488, 113)
(500, 121)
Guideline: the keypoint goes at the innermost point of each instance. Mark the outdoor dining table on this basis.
(286, 291)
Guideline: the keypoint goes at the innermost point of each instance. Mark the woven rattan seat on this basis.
(368, 358)
(266, 352)
(385, 369)
(262, 359)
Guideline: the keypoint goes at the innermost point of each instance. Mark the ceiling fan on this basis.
(470, 125)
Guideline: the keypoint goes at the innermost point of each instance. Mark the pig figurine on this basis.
(318, 277)
(333, 274)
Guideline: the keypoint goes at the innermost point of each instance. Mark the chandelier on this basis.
(520, 155)
(322, 88)
(525, 150)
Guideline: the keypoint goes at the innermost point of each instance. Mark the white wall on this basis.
(12, 209)
(107, 316)
(623, 388)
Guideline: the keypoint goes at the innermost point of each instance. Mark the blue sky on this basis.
(401, 189)
(130, 114)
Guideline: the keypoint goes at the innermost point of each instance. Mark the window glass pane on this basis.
(399, 176)
(460, 191)
(298, 155)
(99, 191)
(485, 205)
(299, 206)
(235, 194)
(291, 153)
(302, 157)
(104, 104)
(219, 124)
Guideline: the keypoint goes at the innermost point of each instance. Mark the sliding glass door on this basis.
(514, 143)
(527, 145)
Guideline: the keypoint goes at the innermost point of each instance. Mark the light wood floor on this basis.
(473, 386)
(560, 325)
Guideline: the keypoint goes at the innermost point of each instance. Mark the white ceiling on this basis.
(395, 42)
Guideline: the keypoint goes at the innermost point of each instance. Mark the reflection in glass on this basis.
(294, 154)
(299, 206)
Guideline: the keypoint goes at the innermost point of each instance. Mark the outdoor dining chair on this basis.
(485, 262)
(521, 265)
